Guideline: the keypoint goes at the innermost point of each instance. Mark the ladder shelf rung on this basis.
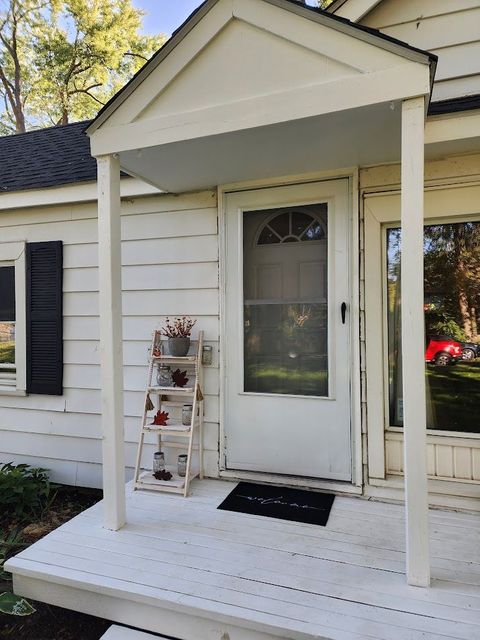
(173, 359)
(180, 430)
(172, 390)
(146, 479)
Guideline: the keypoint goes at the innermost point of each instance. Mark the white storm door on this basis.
(287, 331)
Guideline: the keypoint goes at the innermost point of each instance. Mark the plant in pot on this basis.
(178, 332)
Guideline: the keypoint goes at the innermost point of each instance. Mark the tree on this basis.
(60, 60)
(452, 273)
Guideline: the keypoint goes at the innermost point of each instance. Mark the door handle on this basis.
(344, 311)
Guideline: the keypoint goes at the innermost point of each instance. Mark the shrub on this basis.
(24, 490)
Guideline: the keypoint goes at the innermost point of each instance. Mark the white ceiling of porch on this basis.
(357, 137)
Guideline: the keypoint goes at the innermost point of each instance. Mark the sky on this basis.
(164, 16)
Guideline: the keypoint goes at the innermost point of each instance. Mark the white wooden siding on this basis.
(170, 267)
(450, 29)
(448, 458)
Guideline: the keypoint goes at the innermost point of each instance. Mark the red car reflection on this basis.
(442, 350)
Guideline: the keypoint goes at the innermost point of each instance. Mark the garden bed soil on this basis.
(48, 622)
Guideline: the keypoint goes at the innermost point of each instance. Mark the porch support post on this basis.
(111, 348)
(413, 344)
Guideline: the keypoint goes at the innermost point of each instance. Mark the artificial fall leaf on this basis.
(161, 418)
(179, 378)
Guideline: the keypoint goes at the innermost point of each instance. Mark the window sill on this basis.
(5, 391)
(443, 434)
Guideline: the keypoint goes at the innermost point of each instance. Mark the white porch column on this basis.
(413, 344)
(111, 348)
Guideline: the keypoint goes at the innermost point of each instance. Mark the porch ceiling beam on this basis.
(111, 348)
(413, 328)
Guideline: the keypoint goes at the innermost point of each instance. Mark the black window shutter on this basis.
(44, 318)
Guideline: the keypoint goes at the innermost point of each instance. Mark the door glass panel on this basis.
(286, 301)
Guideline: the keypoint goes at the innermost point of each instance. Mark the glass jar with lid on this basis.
(182, 465)
(158, 461)
(164, 376)
(187, 411)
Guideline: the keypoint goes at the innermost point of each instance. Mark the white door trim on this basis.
(356, 410)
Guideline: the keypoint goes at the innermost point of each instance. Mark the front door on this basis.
(287, 341)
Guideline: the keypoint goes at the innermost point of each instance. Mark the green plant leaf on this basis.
(13, 605)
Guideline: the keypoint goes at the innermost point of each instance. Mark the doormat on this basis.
(279, 502)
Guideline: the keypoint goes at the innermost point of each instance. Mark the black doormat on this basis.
(279, 502)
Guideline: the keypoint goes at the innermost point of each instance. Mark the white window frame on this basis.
(443, 203)
(13, 254)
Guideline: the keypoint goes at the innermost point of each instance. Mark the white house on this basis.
(272, 154)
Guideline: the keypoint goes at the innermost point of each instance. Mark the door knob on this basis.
(344, 311)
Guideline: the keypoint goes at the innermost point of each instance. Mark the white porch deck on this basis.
(182, 568)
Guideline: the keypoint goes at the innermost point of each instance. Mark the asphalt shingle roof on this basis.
(46, 158)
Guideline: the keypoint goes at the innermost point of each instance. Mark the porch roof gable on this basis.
(239, 10)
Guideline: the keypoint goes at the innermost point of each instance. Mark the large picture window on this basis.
(452, 326)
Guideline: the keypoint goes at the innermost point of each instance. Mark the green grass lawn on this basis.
(455, 392)
(7, 352)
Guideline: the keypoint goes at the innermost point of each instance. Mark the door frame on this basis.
(352, 175)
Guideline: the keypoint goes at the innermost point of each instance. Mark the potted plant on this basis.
(178, 332)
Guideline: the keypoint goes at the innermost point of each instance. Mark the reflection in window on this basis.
(7, 326)
(452, 317)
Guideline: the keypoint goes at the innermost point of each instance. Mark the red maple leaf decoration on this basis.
(161, 419)
(179, 378)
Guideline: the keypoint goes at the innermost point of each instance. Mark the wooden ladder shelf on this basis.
(174, 437)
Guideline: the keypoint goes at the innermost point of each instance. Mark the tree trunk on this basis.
(464, 310)
(473, 320)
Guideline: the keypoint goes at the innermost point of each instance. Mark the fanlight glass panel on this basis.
(292, 226)
(286, 301)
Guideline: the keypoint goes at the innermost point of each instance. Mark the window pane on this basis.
(7, 345)
(452, 341)
(285, 308)
(7, 294)
(7, 326)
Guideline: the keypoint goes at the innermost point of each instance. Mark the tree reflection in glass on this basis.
(452, 306)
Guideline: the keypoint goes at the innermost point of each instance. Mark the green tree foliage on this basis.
(61, 60)
(452, 273)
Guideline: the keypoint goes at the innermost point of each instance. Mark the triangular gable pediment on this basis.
(245, 63)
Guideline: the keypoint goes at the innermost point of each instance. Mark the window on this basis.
(12, 317)
(31, 314)
(7, 325)
(452, 326)
(292, 226)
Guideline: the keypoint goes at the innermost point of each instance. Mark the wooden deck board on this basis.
(344, 581)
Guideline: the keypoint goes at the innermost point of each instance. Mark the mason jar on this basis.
(182, 465)
(158, 461)
(187, 411)
(164, 376)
